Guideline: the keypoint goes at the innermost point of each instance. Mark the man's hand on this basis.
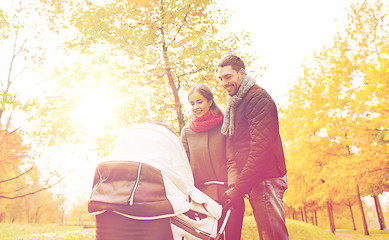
(230, 197)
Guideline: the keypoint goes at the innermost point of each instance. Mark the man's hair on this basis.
(231, 60)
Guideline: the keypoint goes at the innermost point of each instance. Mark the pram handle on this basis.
(223, 226)
(215, 182)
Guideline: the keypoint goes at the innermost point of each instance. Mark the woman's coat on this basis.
(207, 156)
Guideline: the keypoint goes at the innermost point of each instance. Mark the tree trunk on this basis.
(62, 218)
(27, 209)
(364, 223)
(1, 114)
(37, 215)
(331, 216)
(305, 215)
(380, 215)
(315, 217)
(177, 103)
(352, 215)
(172, 84)
(301, 215)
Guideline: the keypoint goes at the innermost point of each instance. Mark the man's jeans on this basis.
(266, 201)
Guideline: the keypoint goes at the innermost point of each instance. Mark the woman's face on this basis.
(199, 104)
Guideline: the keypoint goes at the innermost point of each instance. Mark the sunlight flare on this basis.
(96, 108)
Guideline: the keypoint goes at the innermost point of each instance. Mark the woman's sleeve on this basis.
(184, 142)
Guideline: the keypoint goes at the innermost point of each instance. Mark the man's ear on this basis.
(242, 72)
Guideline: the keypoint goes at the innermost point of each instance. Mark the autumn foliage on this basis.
(336, 124)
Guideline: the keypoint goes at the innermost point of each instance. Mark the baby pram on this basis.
(145, 190)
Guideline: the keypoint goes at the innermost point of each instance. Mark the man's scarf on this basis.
(208, 121)
(232, 103)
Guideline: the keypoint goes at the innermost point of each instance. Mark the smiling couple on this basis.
(238, 153)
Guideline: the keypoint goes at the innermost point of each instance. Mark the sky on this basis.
(284, 33)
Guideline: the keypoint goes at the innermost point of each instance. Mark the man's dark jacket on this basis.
(255, 150)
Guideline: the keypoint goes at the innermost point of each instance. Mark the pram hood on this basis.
(157, 146)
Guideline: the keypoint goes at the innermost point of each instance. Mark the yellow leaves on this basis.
(12, 150)
(336, 121)
(15, 163)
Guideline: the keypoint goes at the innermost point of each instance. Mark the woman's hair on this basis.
(206, 92)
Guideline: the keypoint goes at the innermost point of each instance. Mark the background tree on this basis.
(148, 52)
(77, 214)
(21, 45)
(337, 110)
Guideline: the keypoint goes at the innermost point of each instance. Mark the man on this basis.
(256, 162)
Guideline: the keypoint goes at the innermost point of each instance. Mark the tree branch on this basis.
(18, 176)
(189, 73)
(33, 192)
(179, 29)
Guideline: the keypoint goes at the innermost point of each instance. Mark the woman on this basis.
(206, 150)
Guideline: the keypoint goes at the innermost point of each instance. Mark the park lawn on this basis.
(297, 230)
(20, 230)
(304, 231)
(358, 235)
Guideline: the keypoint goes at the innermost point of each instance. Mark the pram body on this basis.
(147, 181)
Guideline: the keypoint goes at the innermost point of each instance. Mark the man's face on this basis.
(231, 79)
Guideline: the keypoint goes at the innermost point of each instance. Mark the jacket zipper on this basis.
(131, 200)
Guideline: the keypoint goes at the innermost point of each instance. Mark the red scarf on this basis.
(205, 122)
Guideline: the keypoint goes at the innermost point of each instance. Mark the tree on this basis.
(149, 52)
(380, 214)
(22, 52)
(336, 119)
(168, 37)
(78, 215)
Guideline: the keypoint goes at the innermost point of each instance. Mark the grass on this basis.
(358, 235)
(297, 231)
(21, 230)
(304, 231)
